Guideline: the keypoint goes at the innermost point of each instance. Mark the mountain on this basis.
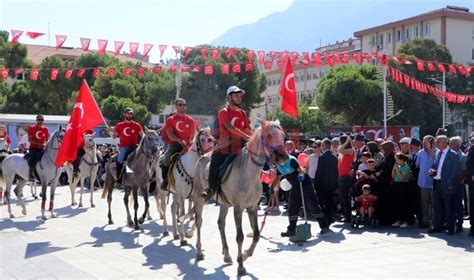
(308, 24)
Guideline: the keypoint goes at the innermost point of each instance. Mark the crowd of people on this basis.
(428, 183)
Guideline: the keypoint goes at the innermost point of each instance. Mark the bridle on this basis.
(199, 150)
(265, 145)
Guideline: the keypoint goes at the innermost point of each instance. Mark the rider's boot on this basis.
(164, 176)
(118, 169)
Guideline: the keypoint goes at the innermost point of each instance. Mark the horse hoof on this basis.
(228, 260)
(80, 205)
(176, 236)
(111, 222)
(137, 227)
(92, 205)
(188, 234)
(35, 196)
(199, 256)
(23, 211)
(12, 216)
(166, 233)
(149, 218)
(44, 217)
(141, 220)
(241, 271)
(183, 243)
(53, 215)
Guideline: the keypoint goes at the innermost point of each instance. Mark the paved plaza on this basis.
(80, 244)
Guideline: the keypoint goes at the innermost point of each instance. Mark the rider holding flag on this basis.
(179, 131)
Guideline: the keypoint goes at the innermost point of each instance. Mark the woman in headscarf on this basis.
(385, 205)
(375, 152)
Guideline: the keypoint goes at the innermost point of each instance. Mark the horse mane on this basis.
(49, 143)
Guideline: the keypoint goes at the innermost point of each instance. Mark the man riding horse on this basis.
(38, 135)
(180, 130)
(80, 154)
(234, 131)
(129, 132)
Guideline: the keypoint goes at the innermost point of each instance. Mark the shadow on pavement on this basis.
(40, 248)
(68, 211)
(20, 225)
(128, 240)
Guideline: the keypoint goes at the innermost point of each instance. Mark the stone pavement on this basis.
(79, 244)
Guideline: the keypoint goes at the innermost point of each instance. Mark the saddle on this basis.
(174, 160)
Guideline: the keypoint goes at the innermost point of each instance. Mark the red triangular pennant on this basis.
(60, 39)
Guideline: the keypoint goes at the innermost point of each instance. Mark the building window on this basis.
(428, 29)
(408, 34)
(417, 31)
(279, 80)
(381, 41)
(472, 57)
(274, 82)
(372, 40)
(389, 37)
(315, 76)
(399, 35)
(308, 77)
(297, 79)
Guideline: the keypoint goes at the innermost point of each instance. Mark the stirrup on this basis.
(207, 194)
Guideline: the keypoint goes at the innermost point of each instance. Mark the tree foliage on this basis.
(353, 94)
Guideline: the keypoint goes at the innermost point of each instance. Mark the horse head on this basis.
(204, 141)
(89, 141)
(149, 145)
(271, 136)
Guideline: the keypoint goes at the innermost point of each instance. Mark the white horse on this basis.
(183, 174)
(241, 189)
(15, 165)
(88, 168)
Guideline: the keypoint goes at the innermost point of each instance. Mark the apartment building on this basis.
(450, 26)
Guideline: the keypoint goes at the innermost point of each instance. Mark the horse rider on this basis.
(80, 154)
(180, 130)
(4, 138)
(234, 131)
(129, 133)
(38, 135)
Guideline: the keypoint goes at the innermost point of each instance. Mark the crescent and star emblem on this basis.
(125, 131)
(287, 80)
(232, 121)
(81, 108)
(38, 135)
(177, 126)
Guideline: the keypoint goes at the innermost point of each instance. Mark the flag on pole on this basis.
(289, 103)
(85, 115)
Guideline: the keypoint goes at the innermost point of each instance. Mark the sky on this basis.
(171, 22)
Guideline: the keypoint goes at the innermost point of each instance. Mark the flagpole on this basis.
(384, 75)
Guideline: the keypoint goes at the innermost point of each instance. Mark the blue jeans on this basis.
(124, 152)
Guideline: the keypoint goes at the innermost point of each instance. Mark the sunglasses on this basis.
(181, 105)
(39, 120)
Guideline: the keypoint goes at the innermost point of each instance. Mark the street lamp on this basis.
(443, 83)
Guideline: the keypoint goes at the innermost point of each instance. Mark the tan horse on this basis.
(241, 190)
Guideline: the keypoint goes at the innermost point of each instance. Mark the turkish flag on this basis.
(172, 68)
(452, 69)
(329, 60)
(34, 35)
(176, 49)
(141, 71)
(34, 74)
(208, 69)
(367, 57)
(281, 63)
(306, 56)
(288, 91)
(4, 73)
(431, 66)
(317, 60)
(96, 72)
(85, 43)
(102, 45)
(133, 46)
(127, 71)
(336, 59)
(80, 73)
(118, 46)
(16, 34)
(272, 55)
(203, 53)
(111, 72)
(268, 65)
(461, 69)
(196, 68)
(156, 69)
(294, 55)
(85, 116)
(146, 49)
(68, 73)
(185, 68)
(236, 68)
(357, 58)
(162, 49)
(187, 51)
(468, 70)
(345, 58)
(215, 54)
(54, 74)
(18, 71)
(249, 67)
(441, 68)
(225, 68)
(60, 39)
(420, 66)
(261, 57)
(251, 55)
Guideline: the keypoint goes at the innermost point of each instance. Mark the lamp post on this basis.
(384, 76)
(443, 83)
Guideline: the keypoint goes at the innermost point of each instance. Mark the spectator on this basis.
(401, 180)
(470, 183)
(366, 201)
(346, 157)
(313, 159)
(374, 150)
(424, 161)
(385, 193)
(335, 143)
(455, 145)
(404, 145)
(363, 161)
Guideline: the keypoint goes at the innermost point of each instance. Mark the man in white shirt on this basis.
(313, 159)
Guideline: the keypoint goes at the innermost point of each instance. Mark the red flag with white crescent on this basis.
(261, 57)
(85, 43)
(203, 53)
(249, 67)
(54, 74)
(34, 35)
(156, 69)
(162, 49)
(96, 72)
(133, 46)
(146, 49)
(68, 73)
(236, 68)
(34, 74)
(141, 71)
(251, 55)
(196, 68)
(111, 72)
(187, 51)
(18, 71)
(225, 68)
(288, 91)
(118, 46)
(208, 69)
(268, 65)
(127, 71)
(176, 49)
(80, 73)
(102, 45)
(16, 34)
(60, 39)
(85, 116)
(215, 54)
(4, 73)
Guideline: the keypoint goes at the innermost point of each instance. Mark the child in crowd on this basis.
(366, 201)
(401, 175)
(363, 161)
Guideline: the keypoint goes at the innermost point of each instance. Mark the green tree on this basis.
(12, 56)
(308, 121)
(112, 109)
(351, 93)
(206, 94)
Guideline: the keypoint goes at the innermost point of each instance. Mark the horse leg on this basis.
(82, 179)
(240, 239)
(92, 182)
(51, 200)
(147, 206)
(162, 198)
(110, 187)
(190, 206)
(174, 212)
(198, 223)
(253, 218)
(34, 193)
(43, 199)
(7, 198)
(135, 206)
(19, 194)
(125, 201)
(72, 188)
(221, 223)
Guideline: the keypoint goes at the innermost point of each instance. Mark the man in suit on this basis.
(326, 179)
(446, 169)
(470, 182)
